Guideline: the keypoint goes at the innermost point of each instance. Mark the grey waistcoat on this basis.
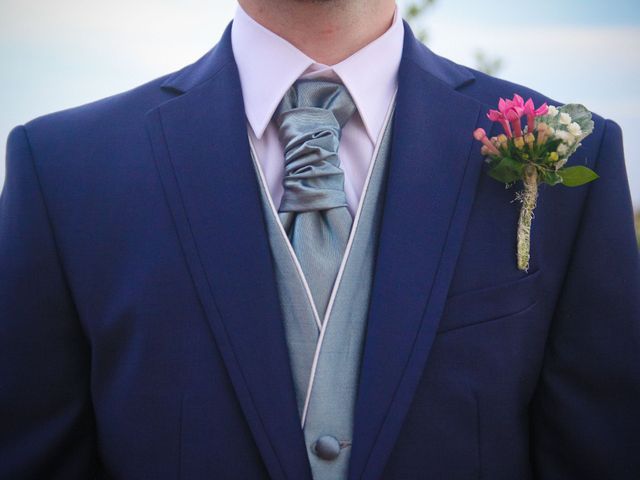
(325, 356)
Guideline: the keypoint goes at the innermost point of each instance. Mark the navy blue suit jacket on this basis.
(141, 334)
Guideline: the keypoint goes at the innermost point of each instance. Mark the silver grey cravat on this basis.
(313, 210)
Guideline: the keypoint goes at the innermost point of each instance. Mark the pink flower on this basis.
(480, 135)
(496, 116)
(531, 112)
(513, 110)
(517, 101)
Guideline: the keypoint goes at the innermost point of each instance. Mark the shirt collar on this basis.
(268, 65)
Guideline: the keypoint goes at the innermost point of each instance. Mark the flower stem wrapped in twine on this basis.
(529, 199)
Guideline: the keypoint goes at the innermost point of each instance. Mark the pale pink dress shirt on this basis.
(268, 65)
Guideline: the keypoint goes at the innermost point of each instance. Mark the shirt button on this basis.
(327, 447)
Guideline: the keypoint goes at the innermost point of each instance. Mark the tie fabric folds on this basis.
(313, 210)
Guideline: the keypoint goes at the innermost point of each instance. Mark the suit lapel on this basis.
(431, 185)
(202, 154)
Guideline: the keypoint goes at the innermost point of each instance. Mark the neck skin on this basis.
(328, 31)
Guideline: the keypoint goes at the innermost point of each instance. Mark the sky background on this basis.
(55, 55)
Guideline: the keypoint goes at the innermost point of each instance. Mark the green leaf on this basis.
(507, 170)
(576, 176)
(492, 161)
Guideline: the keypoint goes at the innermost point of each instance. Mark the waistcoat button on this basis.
(327, 447)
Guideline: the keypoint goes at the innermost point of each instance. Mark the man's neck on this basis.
(328, 31)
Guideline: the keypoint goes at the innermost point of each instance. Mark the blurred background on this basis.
(55, 55)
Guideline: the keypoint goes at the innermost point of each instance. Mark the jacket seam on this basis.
(490, 319)
(172, 81)
(47, 212)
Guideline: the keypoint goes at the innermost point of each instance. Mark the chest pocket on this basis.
(490, 303)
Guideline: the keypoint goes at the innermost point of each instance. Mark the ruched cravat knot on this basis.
(310, 119)
(313, 210)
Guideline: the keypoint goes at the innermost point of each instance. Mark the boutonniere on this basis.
(535, 154)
